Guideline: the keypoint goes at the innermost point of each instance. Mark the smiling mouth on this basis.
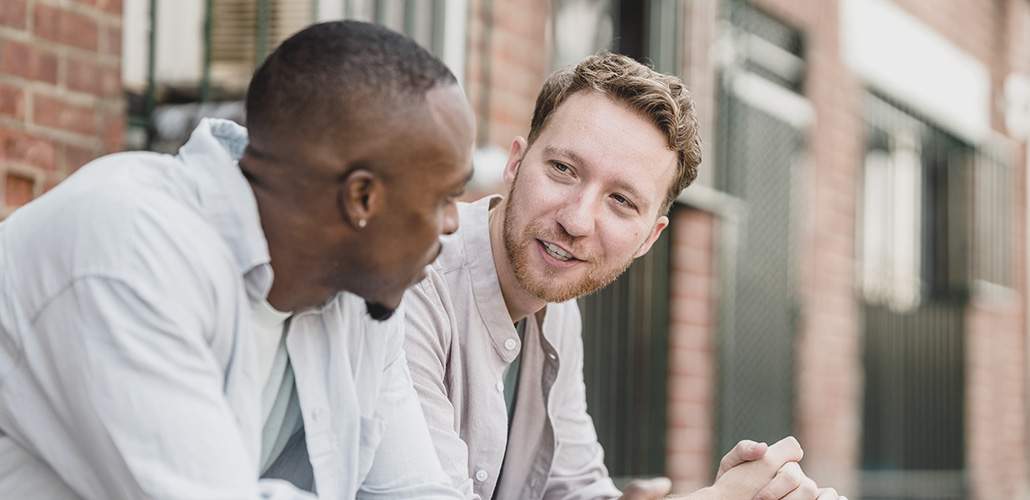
(556, 252)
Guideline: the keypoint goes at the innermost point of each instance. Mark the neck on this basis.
(519, 301)
(299, 275)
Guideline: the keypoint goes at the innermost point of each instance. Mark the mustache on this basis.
(561, 239)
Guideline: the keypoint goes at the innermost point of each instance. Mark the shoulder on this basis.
(113, 219)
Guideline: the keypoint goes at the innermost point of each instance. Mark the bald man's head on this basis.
(360, 142)
(335, 76)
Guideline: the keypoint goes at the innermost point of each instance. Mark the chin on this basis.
(379, 311)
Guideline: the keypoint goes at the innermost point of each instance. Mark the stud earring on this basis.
(362, 223)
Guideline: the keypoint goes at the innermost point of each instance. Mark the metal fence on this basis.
(625, 341)
(915, 254)
(758, 149)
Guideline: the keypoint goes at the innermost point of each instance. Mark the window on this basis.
(243, 32)
(916, 205)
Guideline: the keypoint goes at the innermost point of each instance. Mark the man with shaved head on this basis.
(180, 326)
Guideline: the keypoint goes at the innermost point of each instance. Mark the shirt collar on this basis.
(227, 200)
(474, 251)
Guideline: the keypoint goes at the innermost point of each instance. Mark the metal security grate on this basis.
(915, 252)
(757, 152)
(993, 215)
(913, 425)
(625, 341)
(757, 328)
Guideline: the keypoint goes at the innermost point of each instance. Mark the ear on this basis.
(360, 198)
(656, 231)
(515, 155)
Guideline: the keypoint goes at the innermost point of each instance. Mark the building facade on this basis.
(849, 268)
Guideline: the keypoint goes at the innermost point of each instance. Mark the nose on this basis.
(577, 217)
(450, 218)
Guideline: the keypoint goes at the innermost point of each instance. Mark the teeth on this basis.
(557, 252)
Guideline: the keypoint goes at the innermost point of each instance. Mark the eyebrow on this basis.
(638, 198)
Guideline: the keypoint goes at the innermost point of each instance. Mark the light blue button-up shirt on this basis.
(127, 361)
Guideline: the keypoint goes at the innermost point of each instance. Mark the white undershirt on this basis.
(279, 406)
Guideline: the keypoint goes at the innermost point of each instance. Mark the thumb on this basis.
(744, 451)
(647, 489)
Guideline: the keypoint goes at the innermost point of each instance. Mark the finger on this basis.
(830, 494)
(786, 480)
(806, 491)
(744, 451)
(647, 489)
(785, 450)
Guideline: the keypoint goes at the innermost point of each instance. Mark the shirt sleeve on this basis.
(426, 328)
(133, 403)
(405, 463)
(578, 471)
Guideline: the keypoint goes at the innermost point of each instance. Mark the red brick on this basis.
(111, 40)
(110, 6)
(12, 101)
(14, 14)
(18, 189)
(59, 114)
(85, 74)
(21, 147)
(65, 27)
(114, 133)
(73, 157)
(25, 61)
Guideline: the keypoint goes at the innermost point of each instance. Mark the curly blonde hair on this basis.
(661, 98)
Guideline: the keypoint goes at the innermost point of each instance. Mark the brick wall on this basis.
(995, 388)
(692, 354)
(60, 91)
(503, 86)
(830, 374)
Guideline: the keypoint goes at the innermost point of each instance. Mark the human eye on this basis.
(561, 167)
(623, 201)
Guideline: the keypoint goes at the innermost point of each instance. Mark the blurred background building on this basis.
(851, 266)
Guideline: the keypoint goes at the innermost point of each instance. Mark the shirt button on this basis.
(552, 355)
(511, 344)
(500, 387)
(316, 415)
(481, 475)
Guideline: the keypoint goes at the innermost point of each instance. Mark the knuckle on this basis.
(809, 486)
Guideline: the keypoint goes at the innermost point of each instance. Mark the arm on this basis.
(405, 464)
(132, 399)
(425, 328)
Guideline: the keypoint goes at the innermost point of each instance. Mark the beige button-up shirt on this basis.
(460, 338)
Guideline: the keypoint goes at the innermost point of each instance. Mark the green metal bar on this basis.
(439, 25)
(150, 96)
(205, 78)
(409, 18)
(378, 12)
(261, 43)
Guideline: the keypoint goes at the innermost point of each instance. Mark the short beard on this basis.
(518, 248)
(378, 311)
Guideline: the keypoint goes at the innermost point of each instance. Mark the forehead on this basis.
(431, 139)
(615, 142)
